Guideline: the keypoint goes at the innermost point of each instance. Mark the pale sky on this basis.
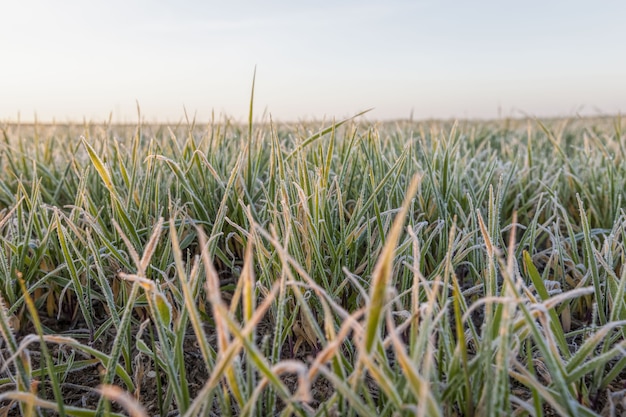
(69, 59)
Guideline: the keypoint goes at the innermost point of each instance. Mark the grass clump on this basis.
(352, 268)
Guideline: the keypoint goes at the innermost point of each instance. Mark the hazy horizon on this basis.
(69, 60)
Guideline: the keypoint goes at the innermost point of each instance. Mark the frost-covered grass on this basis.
(357, 268)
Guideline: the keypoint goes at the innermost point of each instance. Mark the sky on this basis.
(69, 60)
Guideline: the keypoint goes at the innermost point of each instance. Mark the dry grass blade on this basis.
(122, 397)
(7, 216)
(427, 403)
(382, 272)
(224, 360)
(30, 398)
(189, 299)
(219, 311)
(103, 358)
(131, 249)
(150, 248)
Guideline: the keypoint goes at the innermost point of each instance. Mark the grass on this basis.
(324, 269)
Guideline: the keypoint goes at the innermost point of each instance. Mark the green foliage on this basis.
(344, 268)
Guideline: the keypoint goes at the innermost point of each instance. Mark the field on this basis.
(348, 268)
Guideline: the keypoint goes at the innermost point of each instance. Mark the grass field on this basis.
(314, 269)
